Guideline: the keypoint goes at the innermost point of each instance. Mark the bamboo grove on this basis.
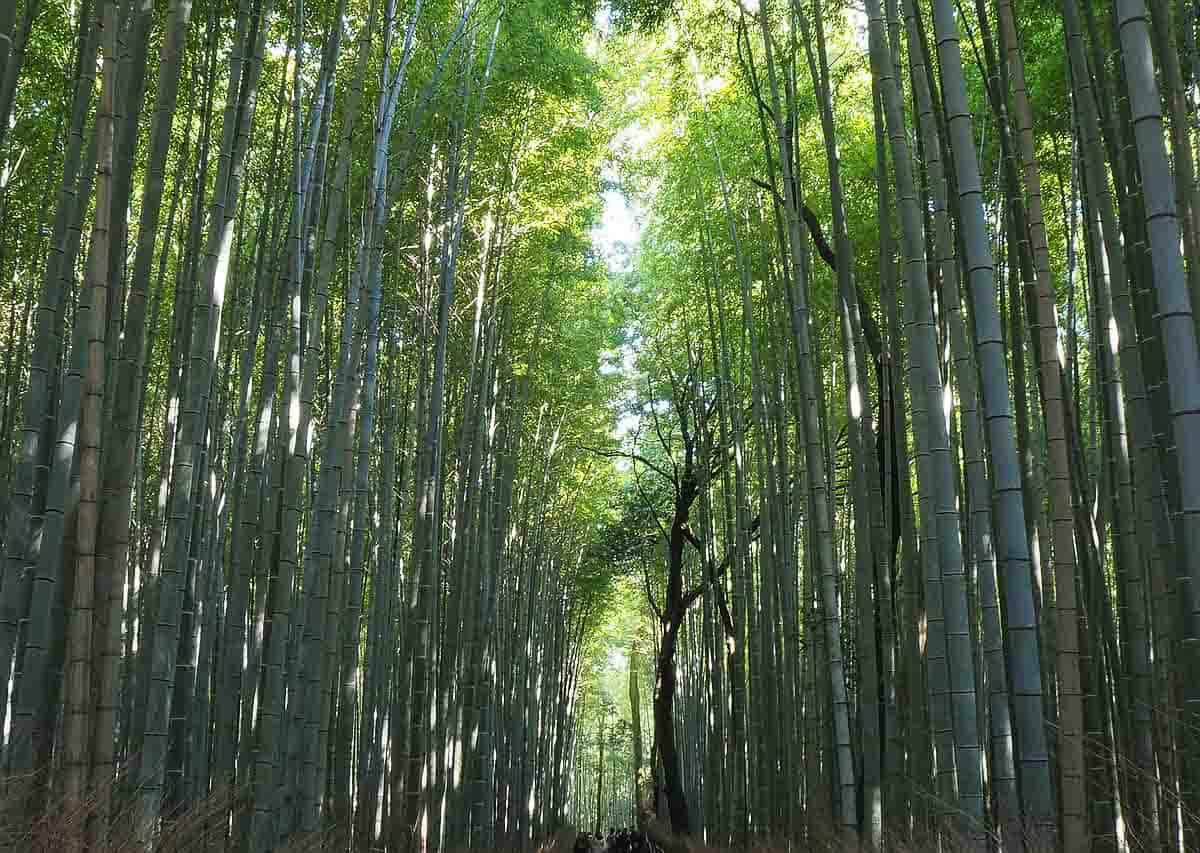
(300, 334)
(350, 498)
(913, 426)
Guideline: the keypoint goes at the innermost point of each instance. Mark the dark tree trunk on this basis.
(664, 728)
(671, 619)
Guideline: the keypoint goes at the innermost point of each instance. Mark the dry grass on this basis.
(29, 822)
(62, 826)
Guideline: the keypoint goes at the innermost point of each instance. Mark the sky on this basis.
(618, 232)
(616, 236)
(615, 240)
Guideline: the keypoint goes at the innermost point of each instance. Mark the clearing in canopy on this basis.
(599, 425)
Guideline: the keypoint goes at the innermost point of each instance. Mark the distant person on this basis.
(623, 840)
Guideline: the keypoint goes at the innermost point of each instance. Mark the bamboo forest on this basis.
(599, 426)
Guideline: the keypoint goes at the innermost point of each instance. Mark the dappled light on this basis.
(599, 426)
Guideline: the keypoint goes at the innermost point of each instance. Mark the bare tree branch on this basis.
(633, 457)
(711, 580)
(663, 440)
(649, 592)
(637, 482)
(712, 575)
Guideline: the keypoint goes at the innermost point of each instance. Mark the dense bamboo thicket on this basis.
(359, 492)
(913, 418)
(300, 336)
